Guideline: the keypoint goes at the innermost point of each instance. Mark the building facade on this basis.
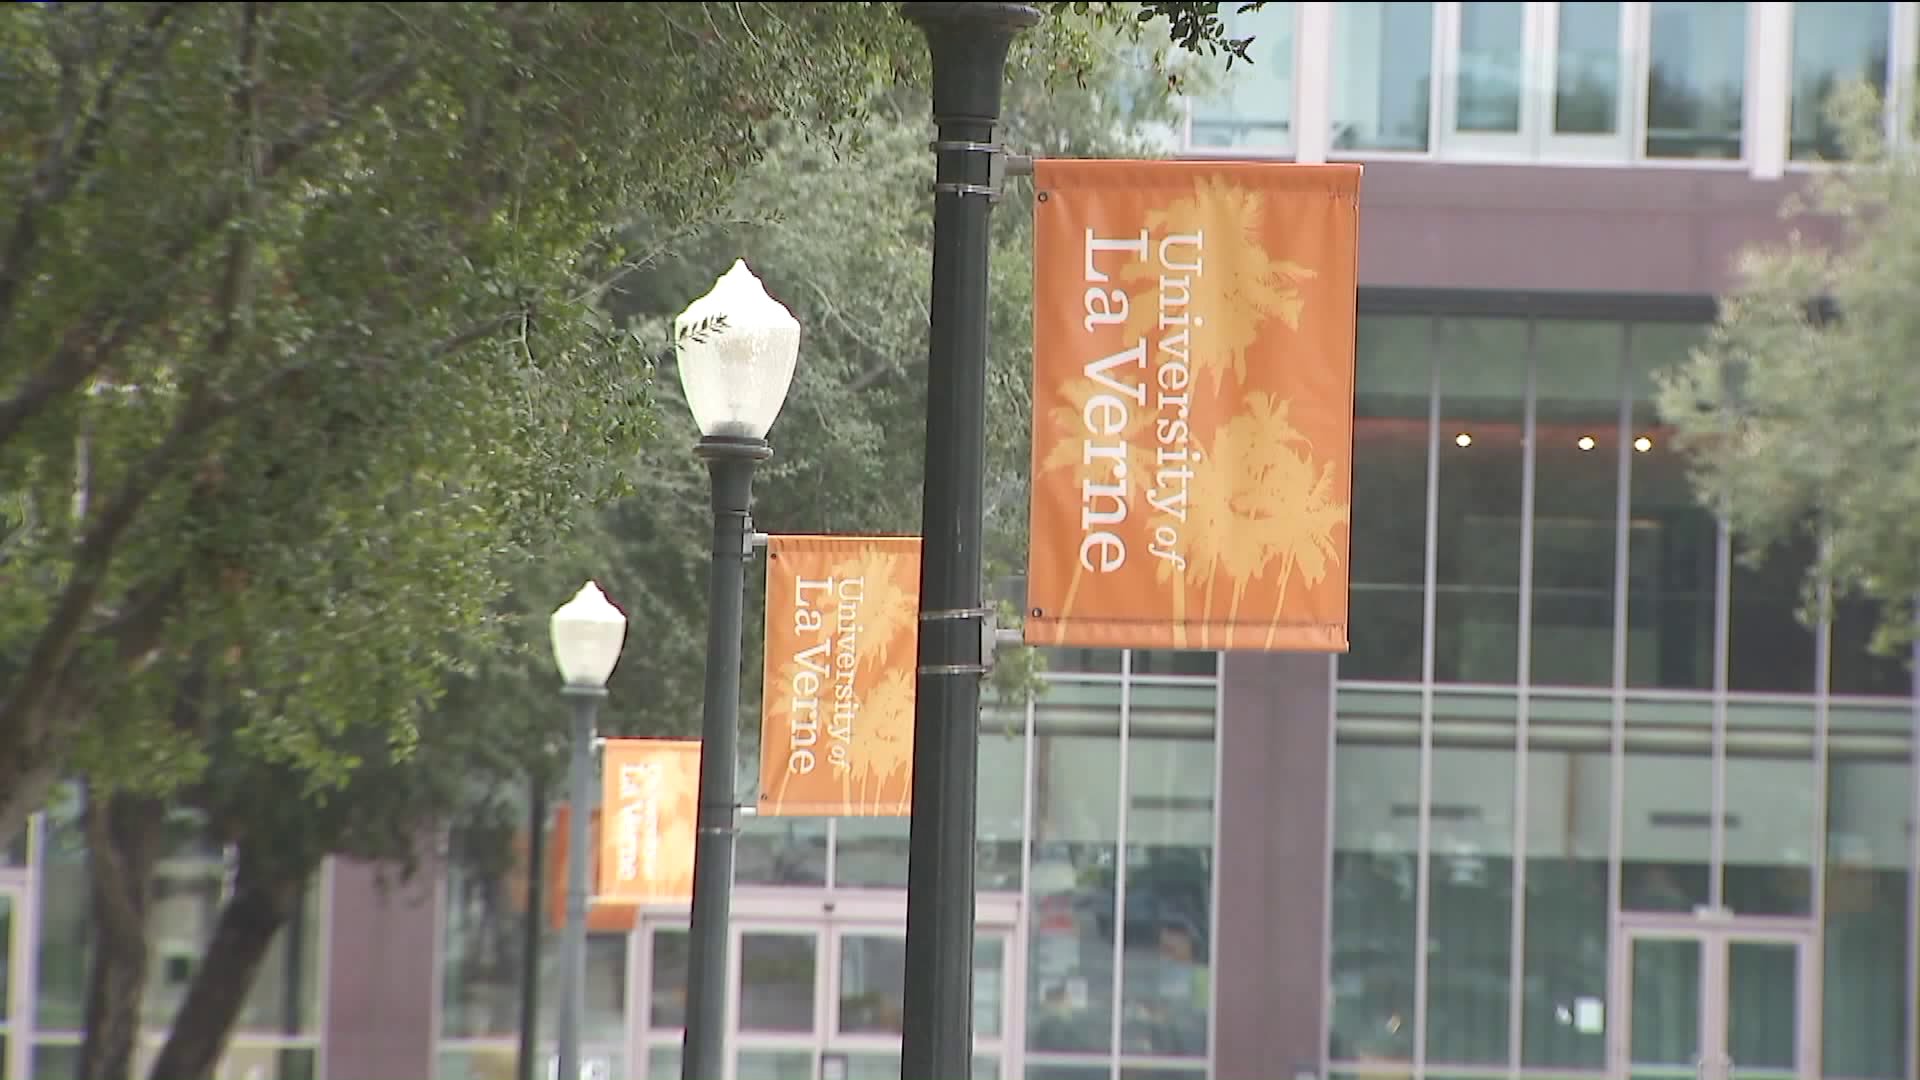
(1584, 799)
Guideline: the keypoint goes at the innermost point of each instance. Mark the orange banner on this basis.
(843, 638)
(649, 806)
(1192, 404)
(603, 917)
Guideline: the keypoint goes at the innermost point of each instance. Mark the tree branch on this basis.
(58, 174)
(83, 353)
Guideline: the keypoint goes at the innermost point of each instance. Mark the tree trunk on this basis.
(124, 834)
(266, 893)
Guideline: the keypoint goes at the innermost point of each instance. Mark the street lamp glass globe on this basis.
(737, 347)
(587, 635)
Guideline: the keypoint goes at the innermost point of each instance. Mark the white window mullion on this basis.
(1312, 72)
(1769, 88)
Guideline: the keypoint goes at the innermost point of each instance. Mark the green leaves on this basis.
(1801, 410)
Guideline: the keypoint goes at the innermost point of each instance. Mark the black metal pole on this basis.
(536, 918)
(969, 44)
(730, 462)
(573, 945)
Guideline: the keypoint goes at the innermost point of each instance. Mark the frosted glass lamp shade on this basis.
(737, 347)
(587, 635)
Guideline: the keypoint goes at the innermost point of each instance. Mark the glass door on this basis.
(1730, 1002)
(869, 999)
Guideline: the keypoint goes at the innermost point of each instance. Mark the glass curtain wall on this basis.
(277, 1034)
(1570, 701)
(1096, 799)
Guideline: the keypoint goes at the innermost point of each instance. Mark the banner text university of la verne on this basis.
(1126, 383)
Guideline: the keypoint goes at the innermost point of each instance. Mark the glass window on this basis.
(1834, 44)
(781, 851)
(870, 853)
(1382, 76)
(1483, 380)
(1391, 434)
(1252, 107)
(1667, 842)
(1000, 808)
(1769, 833)
(1376, 793)
(1697, 80)
(187, 898)
(1173, 662)
(484, 933)
(667, 978)
(1569, 825)
(1769, 648)
(1470, 885)
(1076, 823)
(1587, 98)
(1166, 970)
(1492, 74)
(1865, 992)
(1856, 668)
(1672, 542)
(1577, 458)
(777, 981)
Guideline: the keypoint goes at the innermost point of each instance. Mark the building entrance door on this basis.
(1730, 1000)
(818, 996)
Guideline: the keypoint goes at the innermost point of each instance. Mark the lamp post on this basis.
(587, 634)
(969, 44)
(737, 347)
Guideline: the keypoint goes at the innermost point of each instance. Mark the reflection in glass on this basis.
(1577, 449)
(1483, 380)
(1666, 991)
(1855, 668)
(667, 979)
(776, 982)
(1253, 106)
(1867, 1002)
(663, 1062)
(1563, 1021)
(1393, 379)
(873, 973)
(1374, 880)
(1672, 542)
(1492, 67)
(1470, 899)
(1166, 977)
(773, 1065)
(1696, 80)
(999, 808)
(1762, 996)
(1382, 76)
(1771, 812)
(1769, 648)
(870, 853)
(1834, 44)
(1076, 823)
(1587, 98)
(781, 851)
(1667, 846)
(284, 996)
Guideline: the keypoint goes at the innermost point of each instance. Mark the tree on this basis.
(321, 384)
(314, 391)
(303, 689)
(1801, 411)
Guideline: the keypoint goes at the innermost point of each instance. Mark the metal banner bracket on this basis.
(1000, 165)
(989, 633)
